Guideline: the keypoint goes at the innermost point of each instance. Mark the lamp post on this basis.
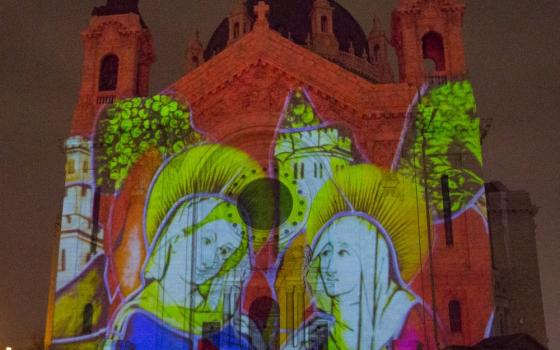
(429, 222)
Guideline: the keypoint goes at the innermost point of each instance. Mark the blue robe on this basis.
(145, 332)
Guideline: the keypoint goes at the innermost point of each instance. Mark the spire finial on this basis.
(240, 6)
(195, 42)
(376, 22)
(321, 3)
(116, 7)
(377, 27)
(261, 10)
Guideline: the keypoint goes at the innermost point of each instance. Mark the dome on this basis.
(291, 18)
(118, 7)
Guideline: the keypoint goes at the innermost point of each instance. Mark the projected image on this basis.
(199, 254)
(172, 239)
(364, 239)
(445, 141)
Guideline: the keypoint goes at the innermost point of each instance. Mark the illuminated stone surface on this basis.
(174, 263)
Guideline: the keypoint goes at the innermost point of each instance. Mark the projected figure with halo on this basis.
(364, 241)
(199, 257)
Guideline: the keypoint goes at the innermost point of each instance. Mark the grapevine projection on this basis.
(189, 241)
(132, 127)
(446, 138)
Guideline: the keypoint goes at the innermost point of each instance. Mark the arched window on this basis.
(265, 312)
(447, 212)
(455, 322)
(236, 30)
(109, 73)
(195, 61)
(71, 167)
(375, 56)
(432, 49)
(62, 262)
(429, 66)
(324, 24)
(87, 324)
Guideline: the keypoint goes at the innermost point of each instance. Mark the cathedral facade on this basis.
(286, 193)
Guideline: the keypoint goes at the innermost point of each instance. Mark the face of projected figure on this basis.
(212, 244)
(216, 242)
(340, 263)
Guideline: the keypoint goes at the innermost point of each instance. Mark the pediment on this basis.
(300, 66)
(237, 97)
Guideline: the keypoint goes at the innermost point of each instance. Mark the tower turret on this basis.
(239, 21)
(195, 53)
(427, 36)
(322, 29)
(118, 53)
(80, 236)
(378, 51)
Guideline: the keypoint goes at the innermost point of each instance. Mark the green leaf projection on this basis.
(299, 112)
(286, 239)
(448, 131)
(131, 127)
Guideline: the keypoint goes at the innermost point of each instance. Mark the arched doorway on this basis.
(265, 312)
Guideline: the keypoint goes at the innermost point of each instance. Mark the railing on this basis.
(356, 64)
(105, 99)
(436, 78)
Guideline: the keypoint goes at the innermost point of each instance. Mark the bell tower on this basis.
(195, 53)
(118, 54)
(378, 52)
(322, 28)
(428, 38)
(239, 21)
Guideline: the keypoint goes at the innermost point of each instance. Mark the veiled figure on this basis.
(366, 233)
(198, 259)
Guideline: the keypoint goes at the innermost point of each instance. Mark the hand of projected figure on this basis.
(311, 335)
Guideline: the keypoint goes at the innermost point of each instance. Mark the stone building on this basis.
(517, 341)
(80, 238)
(295, 92)
(517, 285)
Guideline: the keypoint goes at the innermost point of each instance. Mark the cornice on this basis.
(268, 48)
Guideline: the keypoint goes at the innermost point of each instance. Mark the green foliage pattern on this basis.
(300, 113)
(131, 127)
(446, 122)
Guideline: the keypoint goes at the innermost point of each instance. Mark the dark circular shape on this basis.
(292, 18)
(265, 204)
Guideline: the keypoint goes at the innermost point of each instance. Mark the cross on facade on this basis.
(261, 10)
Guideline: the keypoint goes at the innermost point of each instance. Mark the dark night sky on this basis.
(513, 53)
